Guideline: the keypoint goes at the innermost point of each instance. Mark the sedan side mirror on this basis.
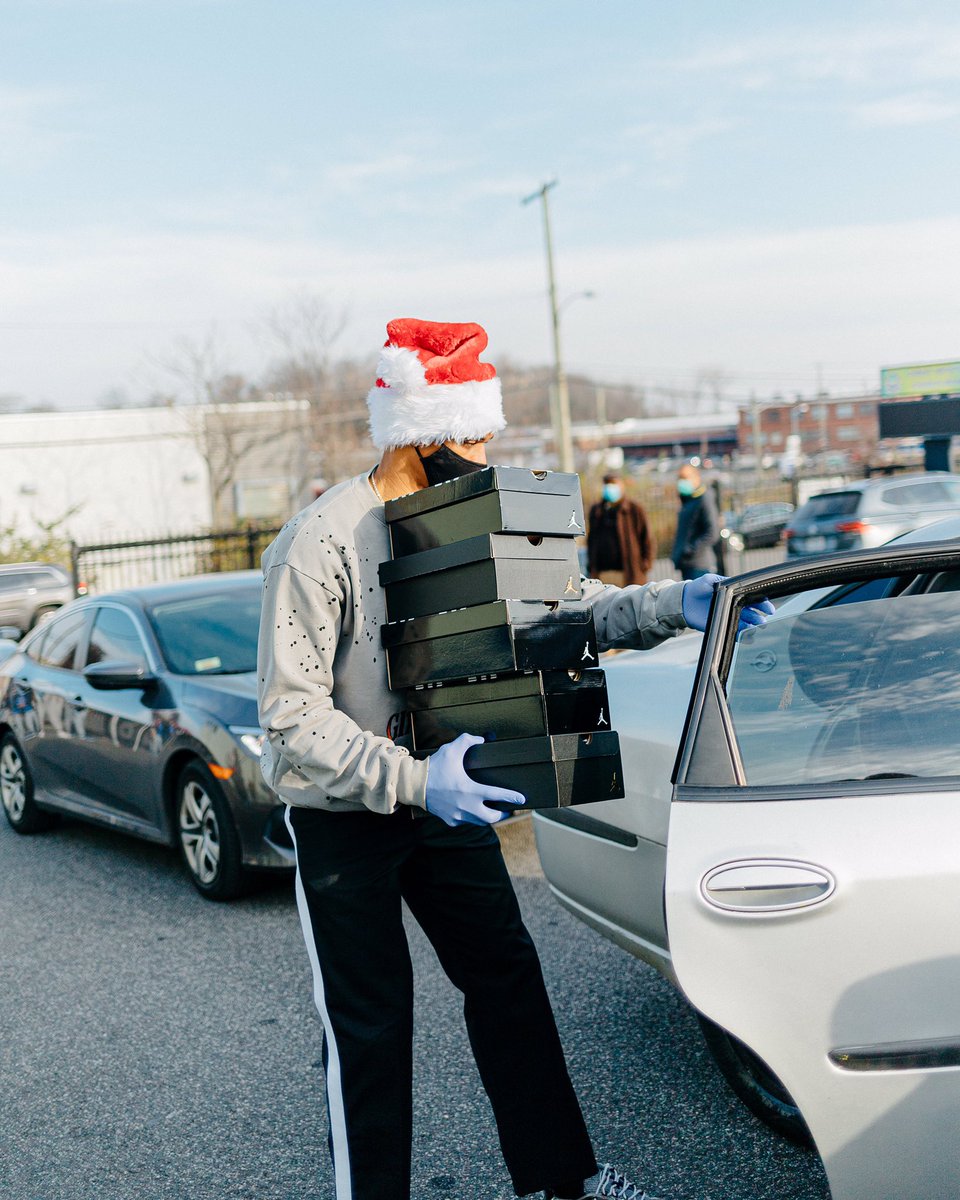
(115, 676)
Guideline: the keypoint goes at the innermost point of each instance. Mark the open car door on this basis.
(813, 857)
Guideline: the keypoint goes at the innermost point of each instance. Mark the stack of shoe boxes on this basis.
(487, 633)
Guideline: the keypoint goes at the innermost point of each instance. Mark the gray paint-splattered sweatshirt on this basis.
(323, 696)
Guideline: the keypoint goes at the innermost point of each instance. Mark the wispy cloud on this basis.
(670, 144)
(31, 129)
(349, 175)
(844, 52)
(911, 108)
(83, 308)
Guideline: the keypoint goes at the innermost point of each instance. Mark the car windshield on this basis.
(214, 634)
(861, 690)
(831, 504)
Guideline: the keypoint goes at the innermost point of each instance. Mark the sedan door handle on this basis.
(766, 885)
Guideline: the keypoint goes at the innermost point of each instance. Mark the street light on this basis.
(560, 410)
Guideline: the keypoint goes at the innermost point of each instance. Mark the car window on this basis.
(115, 638)
(62, 640)
(829, 504)
(15, 581)
(210, 635)
(851, 691)
(48, 577)
(32, 646)
(915, 495)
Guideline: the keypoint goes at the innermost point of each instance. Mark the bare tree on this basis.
(303, 332)
(214, 410)
(711, 383)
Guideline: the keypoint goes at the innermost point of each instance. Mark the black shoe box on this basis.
(532, 705)
(494, 500)
(489, 639)
(551, 772)
(493, 566)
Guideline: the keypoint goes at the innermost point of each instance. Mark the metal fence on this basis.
(110, 565)
(133, 563)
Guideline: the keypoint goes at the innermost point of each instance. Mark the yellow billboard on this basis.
(924, 379)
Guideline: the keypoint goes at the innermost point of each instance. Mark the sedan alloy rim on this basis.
(13, 783)
(199, 833)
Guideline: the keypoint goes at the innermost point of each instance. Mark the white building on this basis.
(120, 474)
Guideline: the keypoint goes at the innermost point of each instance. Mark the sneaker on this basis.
(609, 1184)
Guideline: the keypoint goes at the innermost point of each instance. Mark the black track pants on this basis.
(353, 871)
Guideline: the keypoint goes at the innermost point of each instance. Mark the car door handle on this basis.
(766, 885)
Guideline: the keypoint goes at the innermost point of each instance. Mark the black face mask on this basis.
(444, 464)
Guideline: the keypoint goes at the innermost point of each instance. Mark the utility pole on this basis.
(757, 447)
(602, 420)
(560, 414)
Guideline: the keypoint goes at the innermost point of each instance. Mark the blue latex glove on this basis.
(698, 596)
(456, 798)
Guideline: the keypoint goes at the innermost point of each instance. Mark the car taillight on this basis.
(81, 589)
(850, 526)
(786, 535)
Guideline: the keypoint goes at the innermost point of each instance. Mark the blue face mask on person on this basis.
(612, 492)
(686, 487)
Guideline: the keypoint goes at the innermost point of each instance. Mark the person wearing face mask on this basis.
(698, 526)
(620, 547)
(373, 827)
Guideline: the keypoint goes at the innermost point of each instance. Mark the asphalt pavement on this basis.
(153, 1044)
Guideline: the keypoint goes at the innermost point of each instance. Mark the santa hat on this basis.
(432, 387)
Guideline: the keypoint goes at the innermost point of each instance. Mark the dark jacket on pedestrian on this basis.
(698, 527)
(634, 540)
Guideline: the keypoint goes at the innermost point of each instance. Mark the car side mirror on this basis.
(117, 676)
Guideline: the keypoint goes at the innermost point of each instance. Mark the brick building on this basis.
(824, 424)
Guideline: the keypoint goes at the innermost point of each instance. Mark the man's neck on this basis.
(398, 473)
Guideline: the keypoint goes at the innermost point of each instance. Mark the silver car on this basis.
(794, 869)
(31, 592)
(870, 512)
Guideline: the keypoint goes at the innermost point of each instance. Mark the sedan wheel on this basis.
(16, 790)
(756, 1085)
(208, 839)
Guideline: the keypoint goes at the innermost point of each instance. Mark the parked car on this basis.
(794, 869)
(137, 710)
(758, 526)
(31, 592)
(870, 512)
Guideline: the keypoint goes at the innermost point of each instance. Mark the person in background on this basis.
(698, 526)
(620, 547)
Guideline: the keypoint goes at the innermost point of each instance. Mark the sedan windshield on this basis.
(215, 634)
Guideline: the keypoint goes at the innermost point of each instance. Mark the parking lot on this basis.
(153, 1044)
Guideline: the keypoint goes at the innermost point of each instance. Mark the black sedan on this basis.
(137, 710)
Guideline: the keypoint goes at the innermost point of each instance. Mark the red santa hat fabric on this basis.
(432, 387)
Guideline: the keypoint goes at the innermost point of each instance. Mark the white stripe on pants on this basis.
(335, 1105)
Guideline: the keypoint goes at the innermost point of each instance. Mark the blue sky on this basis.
(768, 189)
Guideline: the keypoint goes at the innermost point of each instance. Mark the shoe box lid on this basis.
(531, 705)
(551, 772)
(496, 499)
(491, 688)
(530, 548)
(498, 613)
(496, 566)
(502, 636)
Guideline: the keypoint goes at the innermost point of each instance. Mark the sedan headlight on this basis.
(251, 739)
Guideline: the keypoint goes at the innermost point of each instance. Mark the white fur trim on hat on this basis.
(412, 412)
